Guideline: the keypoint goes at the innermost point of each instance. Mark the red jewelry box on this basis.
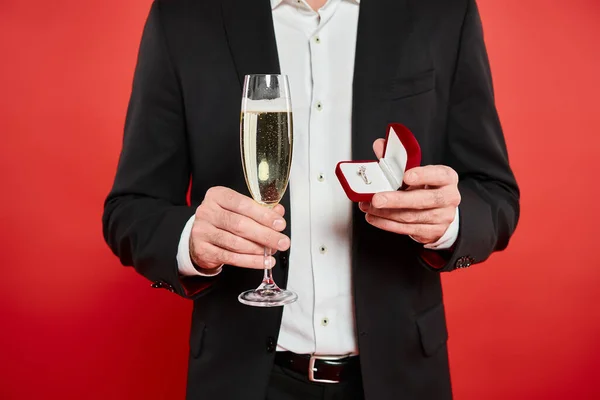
(362, 179)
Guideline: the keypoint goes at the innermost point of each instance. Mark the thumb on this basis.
(378, 147)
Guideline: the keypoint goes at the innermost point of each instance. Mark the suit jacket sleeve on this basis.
(476, 149)
(146, 210)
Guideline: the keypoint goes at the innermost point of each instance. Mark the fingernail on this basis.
(379, 201)
(410, 177)
(278, 224)
(283, 244)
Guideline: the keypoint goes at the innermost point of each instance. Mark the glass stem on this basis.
(268, 276)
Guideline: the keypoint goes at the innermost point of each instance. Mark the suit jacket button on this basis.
(162, 285)
(271, 344)
(464, 262)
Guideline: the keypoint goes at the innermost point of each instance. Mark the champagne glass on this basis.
(266, 139)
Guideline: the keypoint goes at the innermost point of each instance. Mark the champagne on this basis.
(266, 143)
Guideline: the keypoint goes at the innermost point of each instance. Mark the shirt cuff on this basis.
(449, 237)
(184, 261)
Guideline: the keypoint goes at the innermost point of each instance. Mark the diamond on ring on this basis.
(362, 171)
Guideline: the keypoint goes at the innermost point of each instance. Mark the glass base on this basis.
(269, 295)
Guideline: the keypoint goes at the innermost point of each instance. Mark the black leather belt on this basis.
(324, 369)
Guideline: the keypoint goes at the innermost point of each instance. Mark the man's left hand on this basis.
(424, 211)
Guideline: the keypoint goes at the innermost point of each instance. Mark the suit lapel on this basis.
(384, 27)
(249, 28)
(251, 38)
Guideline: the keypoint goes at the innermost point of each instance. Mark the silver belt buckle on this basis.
(312, 369)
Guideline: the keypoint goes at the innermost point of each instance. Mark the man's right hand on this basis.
(230, 228)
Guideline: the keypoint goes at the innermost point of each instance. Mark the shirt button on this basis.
(325, 321)
(317, 40)
(321, 177)
(319, 106)
(322, 249)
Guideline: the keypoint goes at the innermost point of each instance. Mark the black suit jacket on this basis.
(422, 63)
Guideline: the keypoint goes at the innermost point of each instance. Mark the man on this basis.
(370, 317)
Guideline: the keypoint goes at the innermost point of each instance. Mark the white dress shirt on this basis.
(316, 51)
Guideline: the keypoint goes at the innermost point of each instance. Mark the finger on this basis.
(416, 187)
(418, 199)
(426, 233)
(279, 209)
(421, 240)
(443, 216)
(227, 240)
(247, 228)
(432, 175)
(401, 215)
(216, 256)
(243, 205)
(378, 147)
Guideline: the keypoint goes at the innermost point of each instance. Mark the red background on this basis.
(73, 324)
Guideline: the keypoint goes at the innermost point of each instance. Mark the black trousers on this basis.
(289, 385)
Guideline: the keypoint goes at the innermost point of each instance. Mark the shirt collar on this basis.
(275, 3)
